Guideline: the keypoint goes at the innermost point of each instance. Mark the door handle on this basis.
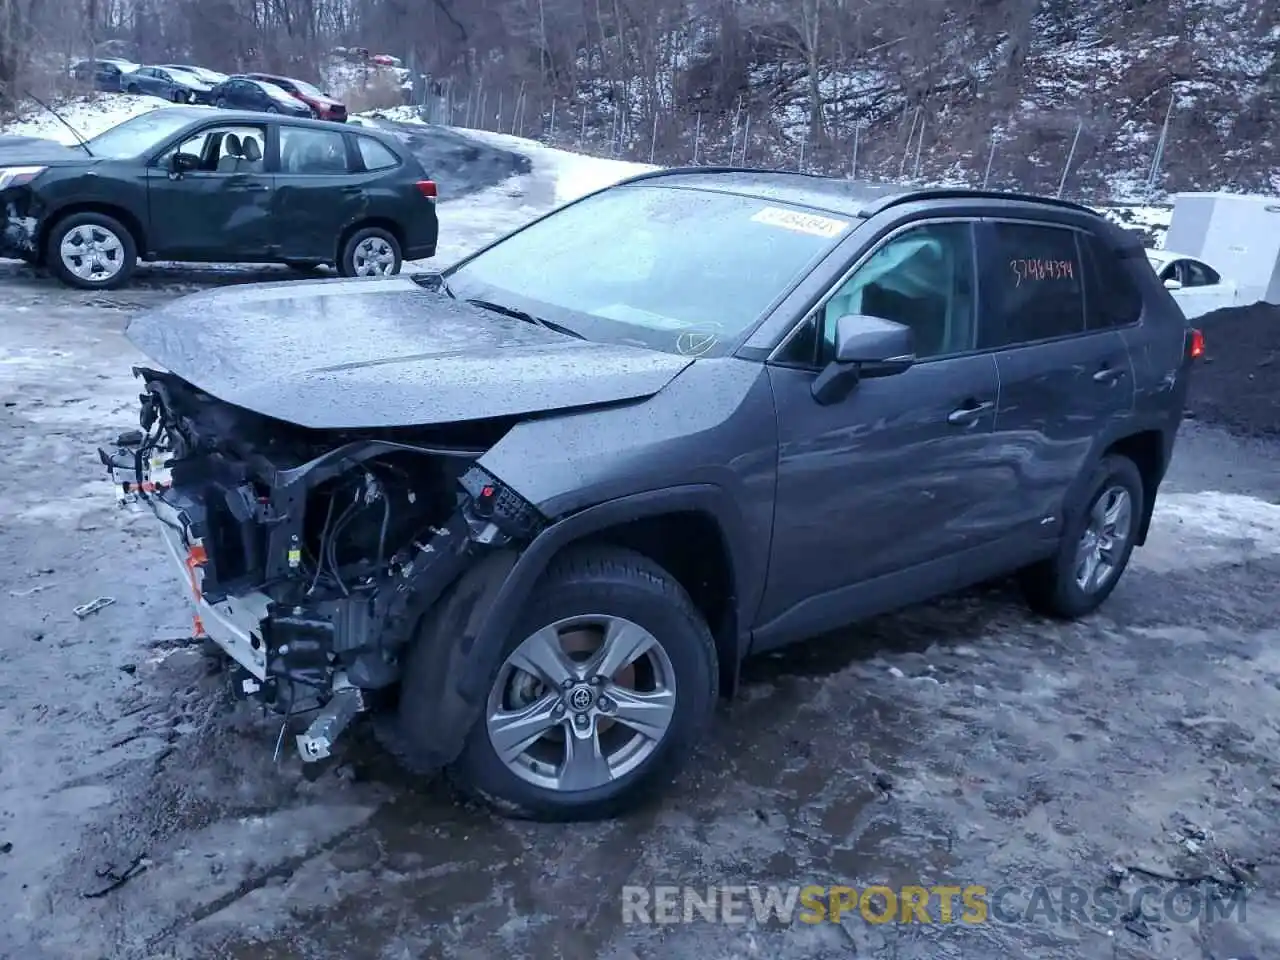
(1109, 374)
(353, 189)
(251, 187)
(968, 414)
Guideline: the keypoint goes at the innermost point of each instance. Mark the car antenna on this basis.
(76, 133)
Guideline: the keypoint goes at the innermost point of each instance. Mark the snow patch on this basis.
(1196, 530)
(90, 116)
(575, 174)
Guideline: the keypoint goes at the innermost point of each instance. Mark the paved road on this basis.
(964, 741)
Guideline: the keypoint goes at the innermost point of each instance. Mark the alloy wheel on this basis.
(92, 252)
(581, 702)
(1101, 547)
(373, 257)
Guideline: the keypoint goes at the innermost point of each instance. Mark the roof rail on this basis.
(965, 193)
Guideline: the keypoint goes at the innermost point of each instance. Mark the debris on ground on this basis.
(1236, 384)
(117, 880)
(93, 606)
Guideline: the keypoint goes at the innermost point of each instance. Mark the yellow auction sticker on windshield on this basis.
(809, 223)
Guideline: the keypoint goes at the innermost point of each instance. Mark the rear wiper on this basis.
(525, 316)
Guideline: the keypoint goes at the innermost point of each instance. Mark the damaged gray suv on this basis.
(533, 512)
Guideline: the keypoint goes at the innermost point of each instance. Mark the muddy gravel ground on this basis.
(963, 742)
(1238, 383)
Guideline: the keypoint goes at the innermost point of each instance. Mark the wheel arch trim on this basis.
(537, 557)
(511, 580)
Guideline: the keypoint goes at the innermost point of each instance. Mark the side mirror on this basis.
(1172, 284)
(181, 163)
(865, 347)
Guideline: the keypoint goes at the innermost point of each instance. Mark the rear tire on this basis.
(643, 607)
(91, 251)
(371, 252)
(1112, 515)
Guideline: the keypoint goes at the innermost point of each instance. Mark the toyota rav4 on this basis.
(533, 512)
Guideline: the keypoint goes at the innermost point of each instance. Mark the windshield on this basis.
(182, 76)
(275, 92)
(679, 270)
(306, 88)
(138, 134)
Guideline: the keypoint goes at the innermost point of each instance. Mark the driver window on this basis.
(1198, 274)
(231, 149)
(923, 277)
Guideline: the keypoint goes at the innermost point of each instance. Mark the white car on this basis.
(1196, 286)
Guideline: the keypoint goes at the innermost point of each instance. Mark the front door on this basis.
(316, 197)
(220, 211)
(1066, 382)
(879, 493)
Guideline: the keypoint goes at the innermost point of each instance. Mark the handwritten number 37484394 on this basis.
(1042, 270)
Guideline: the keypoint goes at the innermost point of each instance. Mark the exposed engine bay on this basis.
(311, 554)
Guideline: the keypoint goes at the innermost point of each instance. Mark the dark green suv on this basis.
(215, 186)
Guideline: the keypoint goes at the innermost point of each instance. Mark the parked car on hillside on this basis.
(558, 492)
(106, 74)
(323, 106)
(211, 77)
(244, 93)
(174, 85)
(1196, 286)
(194, 183)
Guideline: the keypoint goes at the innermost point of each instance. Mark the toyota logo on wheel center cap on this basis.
(581, 698)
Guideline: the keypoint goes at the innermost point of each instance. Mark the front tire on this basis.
(371, 252)
(602, 692)
(91, 251)
(1096, 547)
(221, 103)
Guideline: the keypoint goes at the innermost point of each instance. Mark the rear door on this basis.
(1064, 384)
(221, 211)
(245, 95)
(316, 195)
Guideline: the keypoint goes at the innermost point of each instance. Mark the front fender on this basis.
(469, 657)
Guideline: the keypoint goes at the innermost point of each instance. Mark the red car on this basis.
(322, 105)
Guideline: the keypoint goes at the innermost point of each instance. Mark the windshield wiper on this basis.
(525, 316)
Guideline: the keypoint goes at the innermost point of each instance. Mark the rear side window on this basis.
(1113, 298)
(1035, 286)
(375, 155)
(306, 150)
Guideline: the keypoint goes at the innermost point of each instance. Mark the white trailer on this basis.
(1239, 234)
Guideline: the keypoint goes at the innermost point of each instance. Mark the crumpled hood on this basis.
(342, 354)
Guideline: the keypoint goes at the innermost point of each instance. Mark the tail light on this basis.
(1195, 344)
(427, 188)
